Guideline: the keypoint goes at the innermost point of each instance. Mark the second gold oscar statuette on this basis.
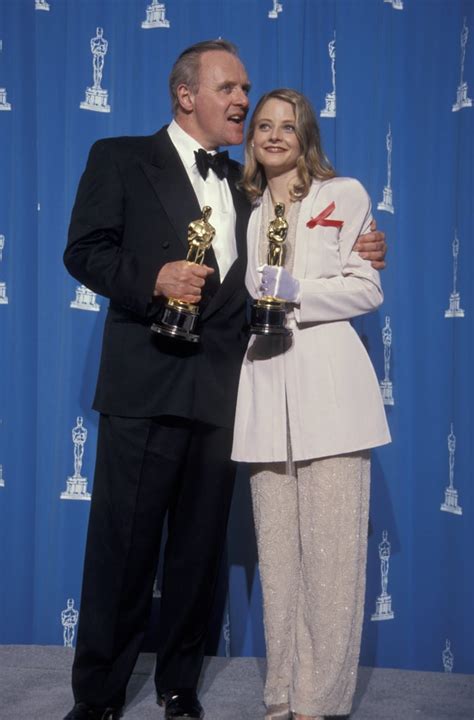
(268, 313)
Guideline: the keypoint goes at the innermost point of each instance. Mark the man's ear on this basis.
(185, 98)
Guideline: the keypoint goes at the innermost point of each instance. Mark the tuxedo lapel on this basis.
(171, 184)
(234, 280)
(252, 278)
(242, 210)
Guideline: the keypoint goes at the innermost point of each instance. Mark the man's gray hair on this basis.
(185, 71)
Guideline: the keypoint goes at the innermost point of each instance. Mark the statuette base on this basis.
(386, 388)
(454, 310)
(268, 317)
(3, 294)
(4, 105)
(76, 489)
(462, 100)
(330, 107)
(383, 608)
(96, 100)
(387, 202)
(179, 320)
(451, 502)
(155, 17)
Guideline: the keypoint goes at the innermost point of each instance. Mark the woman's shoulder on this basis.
(341, 185)
(339, 189)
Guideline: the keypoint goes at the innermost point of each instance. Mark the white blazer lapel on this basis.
(252, 278)
(302, 236)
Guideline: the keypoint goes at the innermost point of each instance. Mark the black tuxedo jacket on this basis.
(130, 217)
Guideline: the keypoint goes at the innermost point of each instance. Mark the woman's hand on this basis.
(277, 282)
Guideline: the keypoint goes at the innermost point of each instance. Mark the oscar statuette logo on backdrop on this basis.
(96, 96)
(387, 203)
(450, 504)
(3, 285)
(396, 4)
(4, 105)
(462, 99)
(85, 300)
(276, 10)
(69, 619)
(455, 310)
(329, 110)
(226, 634)
(386, 386)
(76, 485)
(155, 16)
(448, 657)
(383, 604)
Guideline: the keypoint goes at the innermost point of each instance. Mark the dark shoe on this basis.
(83, 711)
(180, 704)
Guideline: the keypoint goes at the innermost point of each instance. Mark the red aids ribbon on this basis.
(321, 219)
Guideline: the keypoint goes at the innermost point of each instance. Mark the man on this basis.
(166, 405)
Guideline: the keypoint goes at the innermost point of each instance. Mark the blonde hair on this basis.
(312, 162)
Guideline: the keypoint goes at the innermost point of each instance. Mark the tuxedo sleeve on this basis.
(355, 289)
(95, 254)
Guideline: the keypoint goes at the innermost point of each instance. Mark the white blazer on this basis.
(323, 375)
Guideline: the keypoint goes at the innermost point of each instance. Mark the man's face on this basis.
(220, 105)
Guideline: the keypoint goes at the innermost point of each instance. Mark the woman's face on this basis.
(275, 144)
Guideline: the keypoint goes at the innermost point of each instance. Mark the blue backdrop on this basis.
(399, 116)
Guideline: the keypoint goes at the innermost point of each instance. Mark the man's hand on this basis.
(182, 280)
(372, 246)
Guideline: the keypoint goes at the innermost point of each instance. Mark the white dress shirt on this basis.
(213, 192)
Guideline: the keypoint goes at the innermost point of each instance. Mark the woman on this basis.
(308, 410)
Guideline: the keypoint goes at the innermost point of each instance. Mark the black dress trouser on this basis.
(145, 468)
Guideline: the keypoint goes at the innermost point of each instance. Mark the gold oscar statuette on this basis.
(268, 313)
(180, 318)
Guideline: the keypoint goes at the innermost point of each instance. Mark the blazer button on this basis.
(165, 244)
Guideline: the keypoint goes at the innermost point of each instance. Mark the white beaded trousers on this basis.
(311, 520)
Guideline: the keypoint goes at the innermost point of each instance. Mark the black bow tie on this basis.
(219, 162)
